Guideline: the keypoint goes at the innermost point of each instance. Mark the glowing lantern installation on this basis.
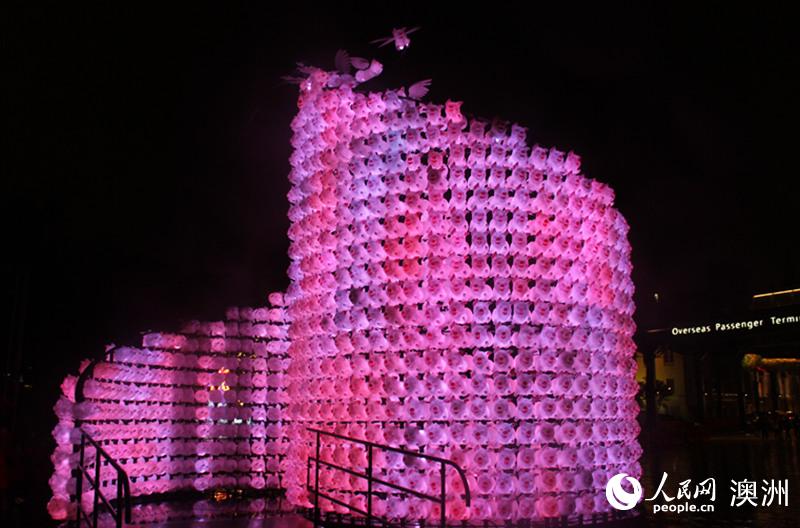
(452, 291)
(456, 292)
(195, 410)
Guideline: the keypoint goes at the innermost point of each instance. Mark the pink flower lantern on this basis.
(507, 299)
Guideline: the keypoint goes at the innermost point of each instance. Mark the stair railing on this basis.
(120, 507)
(371, 479)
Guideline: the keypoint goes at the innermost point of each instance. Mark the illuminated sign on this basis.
(750, 324)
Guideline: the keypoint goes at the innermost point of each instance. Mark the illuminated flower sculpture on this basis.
(200, 409)
(457, 292)
(452, 291)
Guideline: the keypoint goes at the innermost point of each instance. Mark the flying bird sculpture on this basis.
(300, 76)
(365, 69)
(399, 37)
(418, 90)
(342, 75)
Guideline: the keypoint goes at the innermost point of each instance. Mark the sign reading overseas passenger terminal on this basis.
(728, 326)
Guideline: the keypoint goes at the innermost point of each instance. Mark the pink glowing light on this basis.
(452, 290)
(479, 288)
(197, 410)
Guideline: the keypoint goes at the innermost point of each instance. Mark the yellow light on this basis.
(770, 294)
(224, 387)
(223, 370)
(221, 495)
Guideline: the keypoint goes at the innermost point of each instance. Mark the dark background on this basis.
(146, 156)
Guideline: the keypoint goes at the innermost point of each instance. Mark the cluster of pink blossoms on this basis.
(455, 292)
(200, 409)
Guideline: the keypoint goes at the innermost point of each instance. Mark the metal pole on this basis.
(369, 485)
(127, 492)
(443, 498)
(773, 389)
(96, 484)
(119, 500)
(79, 483)
(650, 387)
(316, 484)
(699, 387)
(740, 391)
(755, 390)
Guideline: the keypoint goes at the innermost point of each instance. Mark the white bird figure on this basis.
(359, 63)
(303, 83)
(369, 71)
(291, 79)
(418, 90)
(302, 72)
(366, 69)
(342, 74)
(342, 61)
(399, 37)
(308, 78)
(306, 70)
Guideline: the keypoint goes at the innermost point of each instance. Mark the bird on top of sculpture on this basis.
(400, 38)
(365, 69)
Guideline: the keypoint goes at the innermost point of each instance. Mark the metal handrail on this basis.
(441, 499)
(88, 373)
(122, 504)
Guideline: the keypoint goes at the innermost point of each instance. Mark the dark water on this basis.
(739, 457)
(723, 458)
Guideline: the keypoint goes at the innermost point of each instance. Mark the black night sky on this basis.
(146, 149)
